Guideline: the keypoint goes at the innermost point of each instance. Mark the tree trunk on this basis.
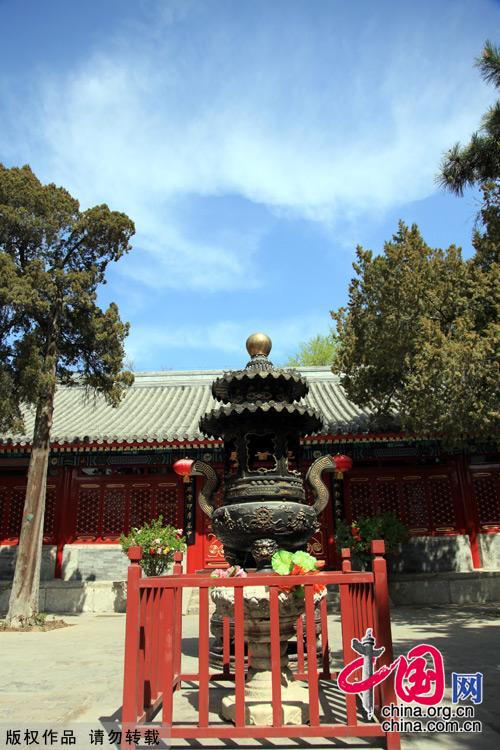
(23, 603)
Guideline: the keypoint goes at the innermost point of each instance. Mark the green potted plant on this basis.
(358, 535)
(158, 544)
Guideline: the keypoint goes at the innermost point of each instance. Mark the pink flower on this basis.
(179, 531)
(219, 573)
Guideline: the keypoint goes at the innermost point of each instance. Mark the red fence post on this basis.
(203, 663)
(347, 626)
(312, 666)
(130, 672)
(274, 632)
(346, 560)
(167, 647)
(325, 647)
(383, 628)
(239, 656)
(177, 571)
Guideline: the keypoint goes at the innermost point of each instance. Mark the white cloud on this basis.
(226, 338)
(161, 113)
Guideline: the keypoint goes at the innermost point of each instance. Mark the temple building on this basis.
(111, 469)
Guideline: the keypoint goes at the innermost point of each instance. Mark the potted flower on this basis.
(158, 544)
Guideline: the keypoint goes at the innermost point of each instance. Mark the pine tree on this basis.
(53, 256)
(478, 162)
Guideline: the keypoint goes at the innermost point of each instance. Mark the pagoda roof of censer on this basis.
(305, 420)
(288, 381)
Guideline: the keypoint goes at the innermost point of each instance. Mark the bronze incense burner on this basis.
(261, 417)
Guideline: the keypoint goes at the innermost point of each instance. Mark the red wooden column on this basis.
(131, 710)
(195, 552)
(470, 511)
(64, 516)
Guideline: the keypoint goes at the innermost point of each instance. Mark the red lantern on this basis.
(342, 463)
(182, 467)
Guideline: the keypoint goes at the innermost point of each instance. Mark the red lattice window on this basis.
(3, 510)
(114, 511)
(425, 503)
(15, 505)
(49, 518)
(387, 496)
(440, 495)
(487, 499)
(361, 498)
(87, 518)
(415, 510)
(167, 505)
(140, 506)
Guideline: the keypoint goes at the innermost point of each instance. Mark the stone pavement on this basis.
(73, 676)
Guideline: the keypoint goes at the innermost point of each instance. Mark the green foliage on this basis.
(318, 351)
(281, 562)
(284, 562)
(418, 340)
(360, 533)
(478, 162)
(158, 543)
(295, 563)
(52, 258)
(304, 560)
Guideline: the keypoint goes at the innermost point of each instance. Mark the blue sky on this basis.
(254, 144)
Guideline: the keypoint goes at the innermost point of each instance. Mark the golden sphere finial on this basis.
(258, 343)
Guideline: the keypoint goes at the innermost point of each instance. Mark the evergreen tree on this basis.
(52, 258)
(478, 162)
(418, 340)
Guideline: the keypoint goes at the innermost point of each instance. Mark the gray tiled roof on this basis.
(167, 406)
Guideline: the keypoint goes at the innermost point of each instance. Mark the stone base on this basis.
(294, 707)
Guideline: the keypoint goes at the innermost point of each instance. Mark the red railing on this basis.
(153, 653)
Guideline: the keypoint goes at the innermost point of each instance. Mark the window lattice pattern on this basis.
(3, 509)
(443, 512)
(415, 511)
(16, 496)
(361, 499)
(87, 519)
(387, 497)
(166, 505)
(423, 503)
(114, 512)
(487, 499)
(49, 516)
(140, 506)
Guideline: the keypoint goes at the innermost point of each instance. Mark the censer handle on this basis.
(313, 477)
(200, 468)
